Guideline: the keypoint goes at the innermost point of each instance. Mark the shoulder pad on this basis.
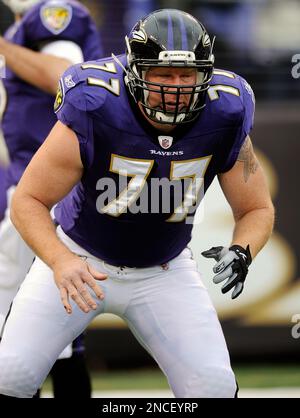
(87, 85)
(231, 94)
(224, 81)
(50, 19)
(69, 81)
(234, 83)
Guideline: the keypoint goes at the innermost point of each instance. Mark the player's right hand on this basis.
(232, 265)
(73, 276)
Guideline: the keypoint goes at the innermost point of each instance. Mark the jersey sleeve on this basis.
(245, 124)
(62, 20)
(71, 109)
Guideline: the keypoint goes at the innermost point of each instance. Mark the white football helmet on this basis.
(20, 6)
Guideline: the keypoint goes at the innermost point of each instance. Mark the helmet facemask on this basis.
(176, 93)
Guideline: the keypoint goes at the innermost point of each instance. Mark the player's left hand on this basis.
(232, 264)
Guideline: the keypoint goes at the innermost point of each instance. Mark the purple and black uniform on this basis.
(107, 125)
(28, 116)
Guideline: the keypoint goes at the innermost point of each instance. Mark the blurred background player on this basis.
(2, 190)
(3, 166)
(46, 38)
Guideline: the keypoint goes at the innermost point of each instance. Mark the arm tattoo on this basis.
(247, 156)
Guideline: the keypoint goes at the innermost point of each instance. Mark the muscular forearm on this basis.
(254, 228)
(71, 274)
(33, 221)
(41, 70)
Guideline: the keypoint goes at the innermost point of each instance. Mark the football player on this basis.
(160, 112)
(46, 38)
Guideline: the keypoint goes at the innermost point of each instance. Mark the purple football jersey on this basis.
(29, 116)
(117, 143)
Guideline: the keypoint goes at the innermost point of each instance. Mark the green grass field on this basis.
(256, 376)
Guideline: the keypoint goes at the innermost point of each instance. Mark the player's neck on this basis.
(18, 17)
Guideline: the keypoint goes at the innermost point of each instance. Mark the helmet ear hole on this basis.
(201, 77)
(169, 38)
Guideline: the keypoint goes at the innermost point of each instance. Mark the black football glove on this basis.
(232, 264)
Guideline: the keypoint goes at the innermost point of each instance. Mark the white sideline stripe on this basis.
(243, 393)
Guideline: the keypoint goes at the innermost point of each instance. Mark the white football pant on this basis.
(168, 310)
(16, 259)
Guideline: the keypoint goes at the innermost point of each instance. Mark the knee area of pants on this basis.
(211, 383)
(16, 379)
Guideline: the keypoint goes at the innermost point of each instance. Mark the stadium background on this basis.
(257, 39)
